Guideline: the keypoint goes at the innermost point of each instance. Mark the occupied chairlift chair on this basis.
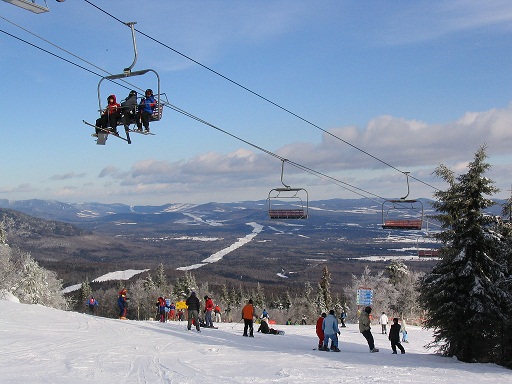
(403, 213)
(127, 72)
(286, 202)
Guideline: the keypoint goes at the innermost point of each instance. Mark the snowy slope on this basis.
(44, 345)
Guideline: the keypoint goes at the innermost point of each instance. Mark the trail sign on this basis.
(364, 296)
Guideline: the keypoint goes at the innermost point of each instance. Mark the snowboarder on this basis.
(394, 337)
(193, 306)
(365, 328)
(248, 316)
(331, 331)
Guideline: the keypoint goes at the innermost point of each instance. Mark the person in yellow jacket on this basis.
(248, 316)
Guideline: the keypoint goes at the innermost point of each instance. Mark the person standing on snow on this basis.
(248, 316)
(383, 321)
(218, 317)
(404, 332)
(122, 304)
(394, 337)
(193, 308)
(343, 316)
(92, 304)
(320, 331)
(331, 331)
(208, 308)
(365, 326)
(161, 305)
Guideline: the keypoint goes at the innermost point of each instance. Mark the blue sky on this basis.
(414, 84)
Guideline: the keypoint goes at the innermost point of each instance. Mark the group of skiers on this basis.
(327, 329)
(326, 326)
(128, 112)
(194, 308)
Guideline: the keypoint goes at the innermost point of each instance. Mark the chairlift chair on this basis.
(424, 251)
(287, 203)
(402, 213)
(127, 72)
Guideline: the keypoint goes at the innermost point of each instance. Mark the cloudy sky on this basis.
(355, 92)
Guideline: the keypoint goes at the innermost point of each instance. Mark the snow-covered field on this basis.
(44, 345)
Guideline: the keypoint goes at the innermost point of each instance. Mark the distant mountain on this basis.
(232, 241)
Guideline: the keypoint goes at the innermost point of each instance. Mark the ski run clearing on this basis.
(45, 345)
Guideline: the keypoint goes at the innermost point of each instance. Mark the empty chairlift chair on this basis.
(287, 203)
(402, 213)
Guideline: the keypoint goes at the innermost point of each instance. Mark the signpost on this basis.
(364, 296)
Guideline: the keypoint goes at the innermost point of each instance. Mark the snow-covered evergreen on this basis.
(463, 302)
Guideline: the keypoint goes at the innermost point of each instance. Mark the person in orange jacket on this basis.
(320, 331)
(248, 316)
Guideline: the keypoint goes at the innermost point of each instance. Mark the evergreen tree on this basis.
(396, 271)
(36, 285)
(160, 278)
(461, 299)
(3, 235)
(258, 297)
(84, 294)
(324, 299)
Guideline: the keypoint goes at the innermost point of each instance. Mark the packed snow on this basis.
(217, 256)
(45, 345)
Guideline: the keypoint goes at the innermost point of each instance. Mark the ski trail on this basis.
(257, 228)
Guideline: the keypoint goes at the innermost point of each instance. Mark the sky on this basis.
(356, 92)
(45, 345)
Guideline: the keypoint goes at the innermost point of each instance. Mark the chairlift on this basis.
(286, 203)
(402, 213)
(127, 72)
(423, 250)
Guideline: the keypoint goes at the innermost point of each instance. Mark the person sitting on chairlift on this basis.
(147, 106)
(129, 106)
(109, 116)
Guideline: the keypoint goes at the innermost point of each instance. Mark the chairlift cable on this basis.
(359, 191)
(264, 98)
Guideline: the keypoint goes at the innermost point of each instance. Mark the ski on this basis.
(141, 132)
(107, 132)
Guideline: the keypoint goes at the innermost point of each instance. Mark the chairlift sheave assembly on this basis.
(286, 203)
(127, 72)
(402, 213)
